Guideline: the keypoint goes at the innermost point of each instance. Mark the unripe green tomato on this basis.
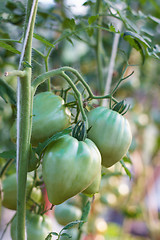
(95, 185)
(50, 115)
(66, 213)
(111, 133)
(35, 197)
(37, 226)
(69, 166)
(9, 190)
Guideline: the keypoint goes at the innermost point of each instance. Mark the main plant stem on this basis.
(24, 108)
(99, 49)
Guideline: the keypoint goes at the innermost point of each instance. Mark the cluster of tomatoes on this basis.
(71, 166)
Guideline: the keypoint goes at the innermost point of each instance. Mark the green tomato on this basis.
(111, 133)
(66, 213)
(50, 115)
(69, 166)
(9, 190)
(95, 185)
(37, 226)
(35, 197)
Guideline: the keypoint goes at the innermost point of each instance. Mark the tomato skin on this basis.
(66, 213)
(95, 185)
(111, 133)
(69, 166)
(38, 227)
(49, 117)
(9, 191)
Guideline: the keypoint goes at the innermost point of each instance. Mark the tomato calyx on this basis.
(121, 107)
(79, 131)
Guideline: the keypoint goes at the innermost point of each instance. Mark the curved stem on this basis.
(40, 79)
(4, 169)
(78, 96)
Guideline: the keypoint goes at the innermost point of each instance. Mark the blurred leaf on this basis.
(66, 235)
(90, 31)
(9, 47)
(69, 23)
(72, 224)
(92, 19)
(127, 159)
(49, 237)
(85, 213)
(126, 169)
(7, 93)
(88, 3)
(43, 40)
(70, 40)
(157, 20)
(137, 42)
(26, 64)
(8, 154)
(128, 35)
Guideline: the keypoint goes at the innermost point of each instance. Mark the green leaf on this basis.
(126, 169)
(137, 42)
(137, 37)
(7, 93)
(8, 154)
(112, 28)
(9, 47)
(26, 64)
(157, 20)
(127, 159)
(69, 23)
(66, 235)
(85, 213)
(92, 19)
(49, 237)
(72, 224)
(70, 40)
(90, 31)
(42, 146)
(88, 3)
(43, 40)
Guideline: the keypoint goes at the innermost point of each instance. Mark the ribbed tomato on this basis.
(50, 115)
(111, 133)
(66, 213)
(37, 226)
(69, 166)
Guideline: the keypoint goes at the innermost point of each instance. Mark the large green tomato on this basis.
(9, 190)
(66, 213)
(69, 166)
(95, 185)
(50, 115)
(111, 133)
(38, 227)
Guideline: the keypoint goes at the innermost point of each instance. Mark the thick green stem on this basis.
(99, 49)
(24, 108)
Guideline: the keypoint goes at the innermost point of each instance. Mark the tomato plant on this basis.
(37, 226)
(49, 116)
(111, 132)
(69, 166)
(66, 213)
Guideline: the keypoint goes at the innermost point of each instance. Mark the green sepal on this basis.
(79, 131)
